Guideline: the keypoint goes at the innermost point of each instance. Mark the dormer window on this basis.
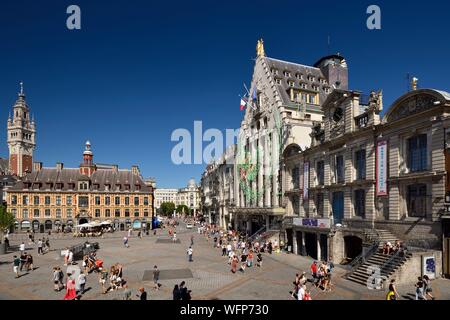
(311, 78)
(118, 187)
(287, 74)
(59, 186)
(326, 90)
(291, 83)
(274, 71)
(315, 88)
(303, 85)
(83, 185)
(278, 81)
(299, 76)
(107, 187)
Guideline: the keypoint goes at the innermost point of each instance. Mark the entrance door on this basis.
(324, 247)
(300, 248)
(338, 207)
(311, 245)
(83, 221)
(289, 240)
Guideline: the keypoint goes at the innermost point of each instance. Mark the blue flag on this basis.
(255, 95)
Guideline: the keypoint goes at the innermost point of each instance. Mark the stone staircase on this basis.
(387, 264)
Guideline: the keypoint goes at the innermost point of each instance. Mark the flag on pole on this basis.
(255, 95)
(243, 103)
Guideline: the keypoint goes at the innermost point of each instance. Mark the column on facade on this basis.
(260, 199)
(294, 241)
(394, 167)
(348, 203)
(276, 165)
(370, 213)
(267, 167)
(303, 248)
(319, 252)
(253, 144)
(267, 217)
(438, 164)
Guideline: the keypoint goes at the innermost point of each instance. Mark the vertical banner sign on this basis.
(305, 180)
(382, 169)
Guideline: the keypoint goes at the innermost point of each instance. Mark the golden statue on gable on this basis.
(260, 48)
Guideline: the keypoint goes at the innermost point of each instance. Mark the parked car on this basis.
(189, 226)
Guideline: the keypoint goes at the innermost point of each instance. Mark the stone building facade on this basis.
(365, 174)
(56, 198)
(285, 101)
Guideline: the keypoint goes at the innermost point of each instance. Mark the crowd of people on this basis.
(397, 248)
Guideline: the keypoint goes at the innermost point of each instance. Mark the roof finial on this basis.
(260, 48)
(414, 82)
(21, 89)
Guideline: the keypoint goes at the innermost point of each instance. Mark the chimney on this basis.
(135, 170)
(59, 166)
(37, 166)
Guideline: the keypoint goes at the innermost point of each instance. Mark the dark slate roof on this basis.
(41, 180)
(7, 180)
(4, 166)
(294, 69)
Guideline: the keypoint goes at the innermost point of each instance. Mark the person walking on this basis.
(174, 239)
(234, 263)
(29, 263)
(427, 287)
(23, 260)
(259, 259)
(190, 251)
(39, 245)
(125, 242)
(420, 293)
(22, 248)
(126, 292)
(16, 264)
(192, 240)
(82, 282)
(56, 280)
(156, 277)
(392, 292)
(176, 293)
(143, 294)
(71, 293)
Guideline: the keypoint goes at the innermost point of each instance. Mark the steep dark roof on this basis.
(47, 178)
(294, 69)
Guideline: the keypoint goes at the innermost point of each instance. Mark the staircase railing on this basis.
(256, 234)
(365, 255)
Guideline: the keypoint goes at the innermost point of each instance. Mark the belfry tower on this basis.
(21, 137)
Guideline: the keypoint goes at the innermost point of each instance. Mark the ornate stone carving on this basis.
(412, 105)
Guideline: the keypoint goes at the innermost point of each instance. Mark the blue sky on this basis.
(139, 70)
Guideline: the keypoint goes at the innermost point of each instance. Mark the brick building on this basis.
(54, 198)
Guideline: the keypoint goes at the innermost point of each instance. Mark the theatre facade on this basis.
(367, 177)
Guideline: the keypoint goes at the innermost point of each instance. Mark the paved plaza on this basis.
(208, 276)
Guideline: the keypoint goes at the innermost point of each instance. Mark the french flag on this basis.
(243, 103)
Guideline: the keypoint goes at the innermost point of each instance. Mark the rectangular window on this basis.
(14, 212)
(117, 201)
(47, 212)
(417, 200)
(58, 200)
(136, 213)
(107, 213)
(13, 199)
(127, 212)
(127, 201)
(25, 200)
(97, 213)
(69, 213)
(145, 213)
(360, 203)
(319, 204)
(25, 213)
(117, 213)
(83, 202)
(417, 153)
(36, 213)
(145, 201)
(320, 173)
(339, 169)
(360, 164)
(136, 201)
(97, 200)
(47, 200)
(107, 201)
(36, 200)
(69, 200)
(58, 213)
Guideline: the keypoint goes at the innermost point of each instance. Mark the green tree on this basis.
(7, 220)
(167, 208)
(182, 208)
